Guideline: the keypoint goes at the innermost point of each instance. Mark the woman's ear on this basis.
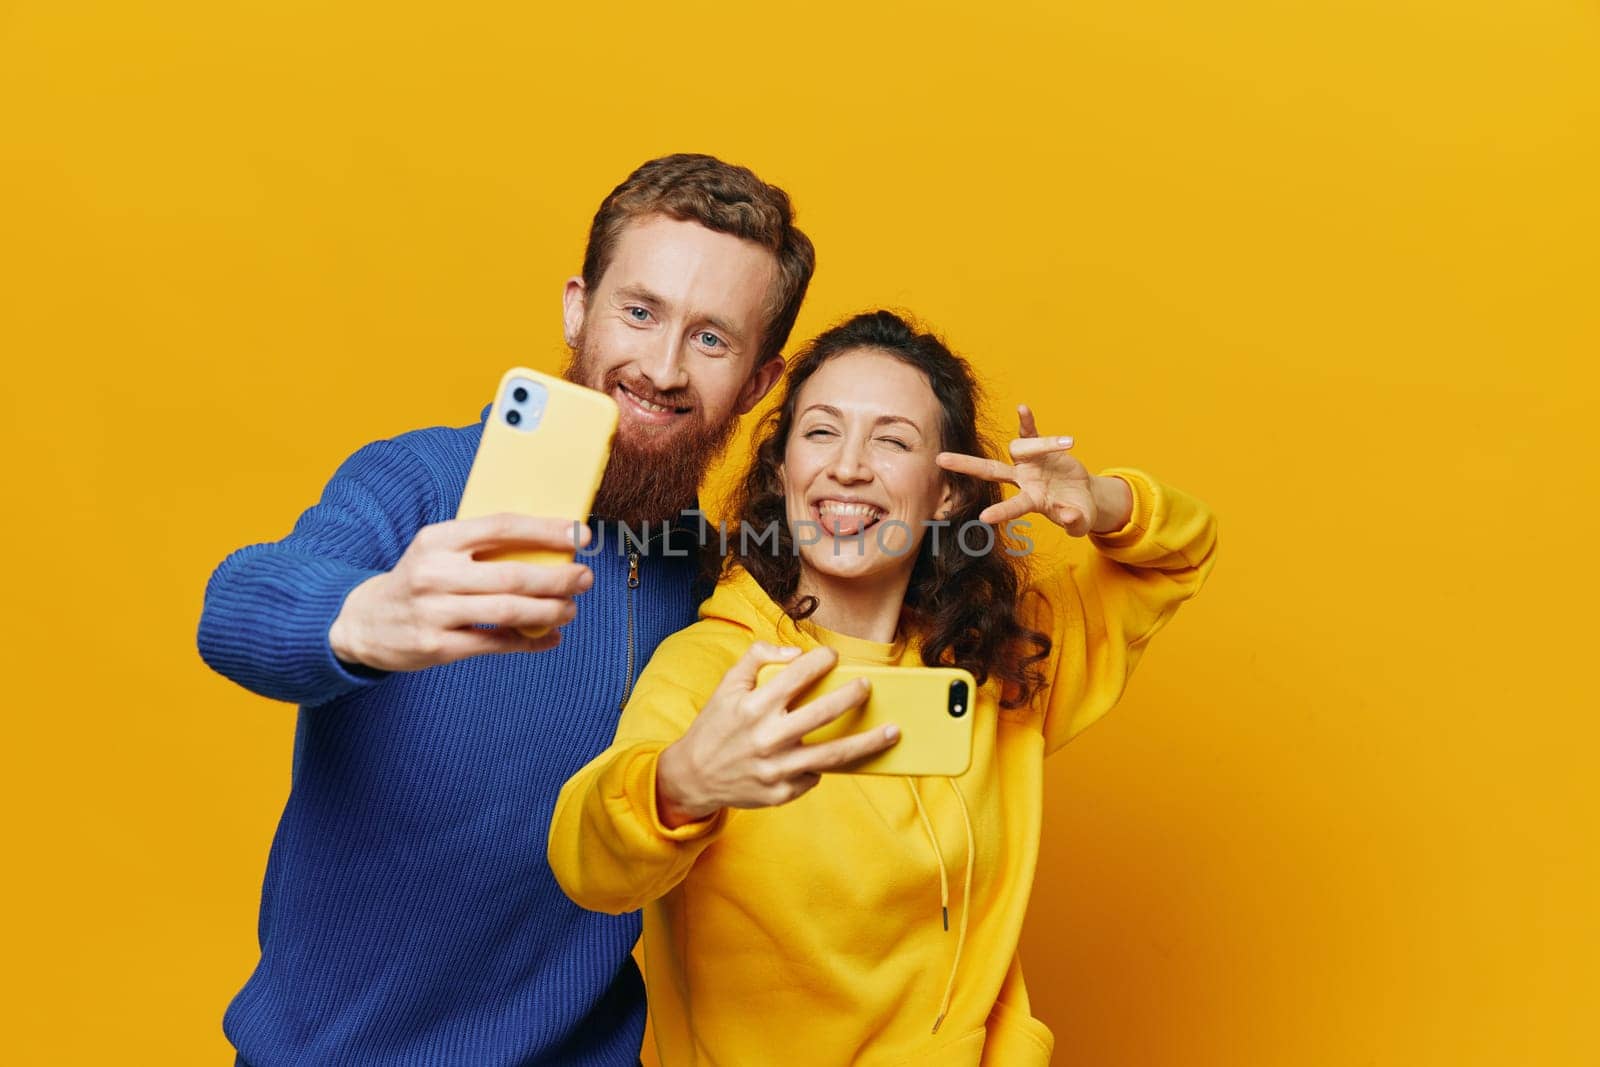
(947, 501)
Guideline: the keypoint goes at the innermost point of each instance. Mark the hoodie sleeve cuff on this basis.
(1142, 519)
(639, 783)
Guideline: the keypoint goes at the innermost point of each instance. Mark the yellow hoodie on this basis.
(815, 932)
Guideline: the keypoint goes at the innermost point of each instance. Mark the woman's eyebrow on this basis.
(897, 418)
(829, 409)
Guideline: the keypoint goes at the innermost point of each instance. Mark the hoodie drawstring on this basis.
(944, 886)
(927, 825)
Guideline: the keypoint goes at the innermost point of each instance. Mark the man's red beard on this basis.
(655, 471)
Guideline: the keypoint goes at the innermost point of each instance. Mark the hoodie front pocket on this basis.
(1017, 1038)
(968, 1050)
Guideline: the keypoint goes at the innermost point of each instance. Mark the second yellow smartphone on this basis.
(543, 453)
(933, 706)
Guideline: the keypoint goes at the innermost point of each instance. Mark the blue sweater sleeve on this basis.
(268, 607)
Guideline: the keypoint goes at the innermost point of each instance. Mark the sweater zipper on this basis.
(633, 583)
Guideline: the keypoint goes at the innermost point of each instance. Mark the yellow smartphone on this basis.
(543, 453)
(931, 705)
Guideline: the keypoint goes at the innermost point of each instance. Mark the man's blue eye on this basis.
(710, 340)
(639, 314)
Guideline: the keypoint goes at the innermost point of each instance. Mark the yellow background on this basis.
(1331, 266)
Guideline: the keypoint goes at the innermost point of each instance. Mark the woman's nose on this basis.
(849, 463)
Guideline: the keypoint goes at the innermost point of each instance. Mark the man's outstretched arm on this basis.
(375, 579)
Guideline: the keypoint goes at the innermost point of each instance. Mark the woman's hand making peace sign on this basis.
(1050, 481)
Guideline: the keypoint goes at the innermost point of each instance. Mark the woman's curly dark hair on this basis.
(965, 605)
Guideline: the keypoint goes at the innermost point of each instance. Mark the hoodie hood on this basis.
(739, 599)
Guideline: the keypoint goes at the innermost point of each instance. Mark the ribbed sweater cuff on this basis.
(278, 632)
(322, 599)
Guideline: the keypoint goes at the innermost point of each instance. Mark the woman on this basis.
(791, 915)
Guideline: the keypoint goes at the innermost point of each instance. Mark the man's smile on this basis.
(648, 411)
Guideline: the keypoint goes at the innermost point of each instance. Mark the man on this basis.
(408, 914)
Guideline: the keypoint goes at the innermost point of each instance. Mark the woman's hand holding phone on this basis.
(744, 749)
(429, 609)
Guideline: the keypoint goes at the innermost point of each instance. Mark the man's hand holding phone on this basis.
(744, 749)
(429, 609)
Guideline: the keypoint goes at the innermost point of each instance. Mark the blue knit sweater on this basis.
(408, 914)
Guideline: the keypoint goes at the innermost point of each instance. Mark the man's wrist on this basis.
(343, 634)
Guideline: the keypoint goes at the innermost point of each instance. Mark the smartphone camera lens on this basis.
(523, 400)
(958, 699)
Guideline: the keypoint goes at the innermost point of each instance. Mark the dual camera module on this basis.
(523, 404)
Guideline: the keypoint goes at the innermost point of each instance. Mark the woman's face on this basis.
(858, 472)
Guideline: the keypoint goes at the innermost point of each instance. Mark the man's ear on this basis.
(573, 307)
(760, 384)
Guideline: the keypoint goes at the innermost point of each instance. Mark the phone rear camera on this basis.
(958, 699)
(520, 395)
(514, 417)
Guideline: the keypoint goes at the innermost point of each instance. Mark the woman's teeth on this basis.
(847, 518)
(848, 509)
